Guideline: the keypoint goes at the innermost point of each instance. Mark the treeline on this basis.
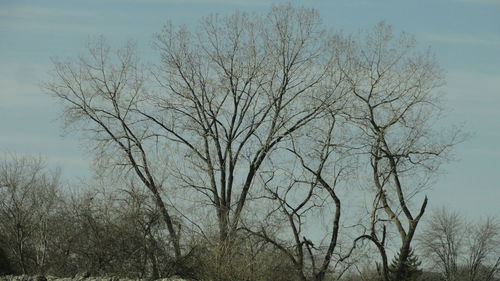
(255, 147)
(49, 231)
(102, 231)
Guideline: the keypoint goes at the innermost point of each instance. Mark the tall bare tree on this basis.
(394, 106)
(321, 161)
(101, 92)
(225, 96)
(235, 89)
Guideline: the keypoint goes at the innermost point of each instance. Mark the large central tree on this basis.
(232, 91)
(217, 103)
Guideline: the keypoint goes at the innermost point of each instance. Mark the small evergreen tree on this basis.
(5, 267)
(411, 268)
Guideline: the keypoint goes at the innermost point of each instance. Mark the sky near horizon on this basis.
(464, 35)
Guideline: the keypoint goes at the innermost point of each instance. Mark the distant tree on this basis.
(28, 199)
(442, 241)
(117, 232)
(462, 250)
(483, 250)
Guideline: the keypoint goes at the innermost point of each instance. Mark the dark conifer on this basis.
(410, 270)
(5, 267)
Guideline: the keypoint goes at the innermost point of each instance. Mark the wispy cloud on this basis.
(468, 86)
(35, 11)
(72, 166)
(208, 2)
(40, 27)
(483, 2)
(34, 18)
(19, 86)
(474, 97)
(481, 39)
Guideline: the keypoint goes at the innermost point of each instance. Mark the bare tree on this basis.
(102, 93)
(462, 250)
(119, 232)
(234, 90)
(312, 186)
(137, 211)
(29, 197)
(442, 240)
(394, 106)
(226, 96)
(483, 248)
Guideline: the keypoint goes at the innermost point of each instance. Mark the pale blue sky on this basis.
(464, 35)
